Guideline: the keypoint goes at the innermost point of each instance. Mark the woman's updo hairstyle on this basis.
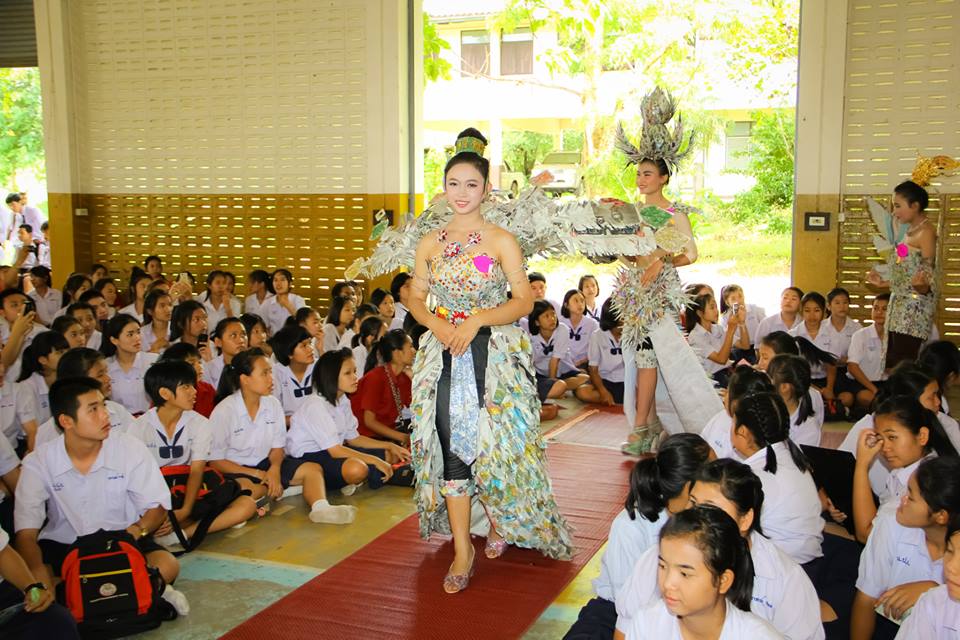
(467, 155)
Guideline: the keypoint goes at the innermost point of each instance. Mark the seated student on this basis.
(189, 324)
(257, 292)
(782, 593)
(604, 361)
(400, 290)
(175, 434)
(709, 341)
(284, 302)
(383, 301)
(157, 313)
(293, 351)
(790, 376)
(372, 329)
(84, 481)
(248, 437)
(658, 490)
(84, 314)
(580, 325)
(100, 308)
(126, 363)
(745, 381)
(26, 250)
(786, 319)
(791, 513)
(324, 431)
(347, 289)
(71, 329)
(217, 301)
(556, 374)
(18, 328)
(706, 577)
(363, 312)
(903, 558)
(80, 363)
(43, 247)
(46, 299)
(78, 284)
(39, 370)
(538, 285)
(229, 338)
(108, 289)
(41, 616)
(9, 474)
(257, 334)
(936, 613)
(339, 321)
(838, 326)
(823, 375)
(137, 294)
(906, 433)
(309, 319)
(206, 394)
(731, 298)
(941, 358)
(384, 394)
(590, 289)
(865, 367)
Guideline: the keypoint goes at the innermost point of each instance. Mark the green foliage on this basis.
(21, 124)
(433, 163)
(434, 66)
(523, 149)
(768, 205)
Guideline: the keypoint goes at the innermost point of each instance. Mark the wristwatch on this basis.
(31, 587)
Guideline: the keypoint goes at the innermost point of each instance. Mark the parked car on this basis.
(566, 170)
(511, 181)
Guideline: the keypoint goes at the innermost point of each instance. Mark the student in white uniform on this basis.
(903, 557)
(731, 299)
(590, 288)
(936, 616)
(580, 326)
(711, 342)
(905, 433)
(790, 376)
(791, 510)
(823, 374)
(84, 481)
(400, 290)
(705, 576)
(257, 334)
(363, 312)
(101, 310)
(324, 430)
(157, 313)
(659, 489)
(258, 292)
(229, 338)
(309, 319)
(39, 371)
(284, 302)
(18, 416)
(189, 324)
(371, 330)
(46, 299)
(838, 326)
(18, 328)
(339, 323)
(941, 359)
(71, 329)
(551, 347)
(137, 293)
(86, 316)
(604, 361)
(292, 375)
(745, 381)
(786, 319)
(217, 300)
(126, 362)
(865, 367)
(782, 593)
(248, 436)
(176, 435)
(383, 301)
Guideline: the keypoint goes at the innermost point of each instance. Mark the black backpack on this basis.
(109, 588)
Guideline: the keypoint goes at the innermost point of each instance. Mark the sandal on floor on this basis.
(495, 548)
(455, 583)
(639, 444)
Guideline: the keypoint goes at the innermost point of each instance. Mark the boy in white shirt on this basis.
(865, 359)
(85, 481)
(18, 328)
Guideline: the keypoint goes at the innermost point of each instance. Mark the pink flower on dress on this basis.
(903, 250)
(483, 263)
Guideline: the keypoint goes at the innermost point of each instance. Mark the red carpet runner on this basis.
(391, 588)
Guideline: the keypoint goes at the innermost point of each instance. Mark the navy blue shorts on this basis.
(615, 389)
(333, 467)
(288, 468)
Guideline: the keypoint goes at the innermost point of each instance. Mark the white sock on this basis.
(332, 514)
(319, 504)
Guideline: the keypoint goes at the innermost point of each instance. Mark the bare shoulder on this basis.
(498, 234)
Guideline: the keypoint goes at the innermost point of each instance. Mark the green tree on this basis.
(523, 149)
(21, 124)
(435, 67)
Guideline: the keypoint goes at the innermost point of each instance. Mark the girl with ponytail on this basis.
(791, 514)
(790, 375)
(382, 401)
(371, 330)
(659, 488)
(706, 577)
(905, 433)
(744, 381)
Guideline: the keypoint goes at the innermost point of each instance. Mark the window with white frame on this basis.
(474, 52)
(516, 53)
(737, 145)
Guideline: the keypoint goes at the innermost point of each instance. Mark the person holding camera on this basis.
(382, 401)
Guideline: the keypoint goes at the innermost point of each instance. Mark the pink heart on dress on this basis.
(483, 263)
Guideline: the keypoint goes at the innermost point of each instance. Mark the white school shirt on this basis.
(241, 440)
(96, 339)
(580, 337)
(782, 592)
(557, 347)
(229, 309)
(823, 341)
(810, 430)
(120, 422)
(148, 336)
(936, 616)
(35, 218)
(360, 354)
(275, 314)
(8, 462)
(755, 316)
(791, 506)
(896, 486)
(840, 340)
(704, 343)
(131, 310)
(251, 304)
(48, 305)
(343, 342)
(37, 386)
(717, 434)
(192, 433)
(289, 390)
(128, 387)
(656, 622)
(895, 555)
(627, 541)
(318, 425)
(606, 354)
(13, 371)
(123, 483)
(595, 312)
(212, 370)
(17, 406)
(43, 254)
(773, 323)
(332, 338)
(866, 349)
(399, 316)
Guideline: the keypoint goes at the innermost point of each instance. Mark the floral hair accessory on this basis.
(471, 144)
